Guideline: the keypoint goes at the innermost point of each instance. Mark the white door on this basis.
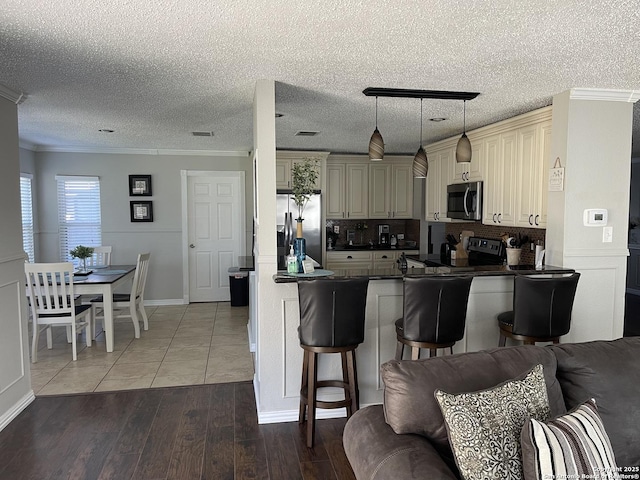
(216, 221)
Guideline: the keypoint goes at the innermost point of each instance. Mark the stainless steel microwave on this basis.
(464, 201)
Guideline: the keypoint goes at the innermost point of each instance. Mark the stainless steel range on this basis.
(485, 251)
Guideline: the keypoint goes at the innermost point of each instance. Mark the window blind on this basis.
(79, 216)
(26, 201)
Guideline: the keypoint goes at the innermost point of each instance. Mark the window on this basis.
(79, 219)
(26, 200)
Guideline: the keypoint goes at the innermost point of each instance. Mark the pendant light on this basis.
(420, 165)
(376, 144)
(463, 149)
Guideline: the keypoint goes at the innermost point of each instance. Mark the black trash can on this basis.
(239, 287)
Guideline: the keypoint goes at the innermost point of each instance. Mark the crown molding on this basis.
(11, 95)
(141, 151)
(604, 94)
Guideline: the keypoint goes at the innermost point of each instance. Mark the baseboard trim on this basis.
(167, 301)
(14, 411)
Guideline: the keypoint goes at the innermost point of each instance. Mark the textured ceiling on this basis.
(155, 71)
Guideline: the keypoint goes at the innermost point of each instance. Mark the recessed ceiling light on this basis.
(306, 133)
(106, 130)
(437, 119)
(202, 134)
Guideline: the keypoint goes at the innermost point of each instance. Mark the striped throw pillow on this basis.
(574, 445)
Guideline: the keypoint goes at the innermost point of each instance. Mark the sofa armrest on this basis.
(375, 451)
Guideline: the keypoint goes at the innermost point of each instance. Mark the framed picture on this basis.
(140, 185)
(141, 211)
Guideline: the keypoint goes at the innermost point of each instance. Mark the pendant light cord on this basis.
(464, 117)
(376, 112)
(421, 123)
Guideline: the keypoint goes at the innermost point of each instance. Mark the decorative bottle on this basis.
(292, 261)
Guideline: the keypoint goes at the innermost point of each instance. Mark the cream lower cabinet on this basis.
(347, 190)
(360, 259)
(391, 190)
(438, 177)
(349, 260)
(532, 173)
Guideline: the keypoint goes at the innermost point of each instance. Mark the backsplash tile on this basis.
(489, 231)
(410, 228)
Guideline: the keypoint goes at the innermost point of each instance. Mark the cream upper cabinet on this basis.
(283, 173)
(347, 190)
(469, 171)
(285, 160)
(532, 170)
(335, 201)
(357, 191)
(499, 197)
(438, 177)
(391, 190)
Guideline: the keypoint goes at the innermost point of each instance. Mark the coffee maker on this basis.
(383, 234)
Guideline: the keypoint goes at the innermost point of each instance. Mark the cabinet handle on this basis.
(494, 218)
(384, 256)
(531, 219)
(349, 256)
(536, 220)
(499, 218)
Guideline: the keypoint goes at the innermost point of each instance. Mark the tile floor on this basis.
(185, 345)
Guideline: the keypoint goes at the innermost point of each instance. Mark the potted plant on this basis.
(82, 253)
(304, 177)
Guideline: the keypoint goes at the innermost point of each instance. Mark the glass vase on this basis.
(300, 251)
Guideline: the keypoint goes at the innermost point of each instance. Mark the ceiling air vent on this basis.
(202, 134)
(306, 133)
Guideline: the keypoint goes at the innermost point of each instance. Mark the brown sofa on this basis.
(405, 438)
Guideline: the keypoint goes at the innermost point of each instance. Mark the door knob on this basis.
(191, 245)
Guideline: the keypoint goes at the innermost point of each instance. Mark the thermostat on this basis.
(595, 217)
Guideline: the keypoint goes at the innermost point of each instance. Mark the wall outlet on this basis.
(607, 234)
(336, 229)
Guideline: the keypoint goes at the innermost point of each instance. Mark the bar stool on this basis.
(541, 309)
(332, 314)
(434, 314)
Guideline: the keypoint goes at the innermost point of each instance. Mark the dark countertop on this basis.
(395, 273)
(366, 247)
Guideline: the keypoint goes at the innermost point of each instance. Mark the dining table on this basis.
(103, 281)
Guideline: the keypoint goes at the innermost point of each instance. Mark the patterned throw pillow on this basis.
(574, 445)
(484, 427)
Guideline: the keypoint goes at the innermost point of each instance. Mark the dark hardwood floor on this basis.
(199, 432)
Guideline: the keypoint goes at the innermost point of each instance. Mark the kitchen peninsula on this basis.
(491, 293)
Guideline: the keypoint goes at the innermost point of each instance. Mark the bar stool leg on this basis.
(503, 340)
(415, 353)
(399, 350)
(354, 392)
(311, 398)
(303, 385)
(346, 380)
(433, 352)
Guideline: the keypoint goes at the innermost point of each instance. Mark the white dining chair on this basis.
(128, 305)
(101, 257)
(50, 293)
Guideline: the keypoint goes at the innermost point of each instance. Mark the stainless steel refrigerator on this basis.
(286, 214)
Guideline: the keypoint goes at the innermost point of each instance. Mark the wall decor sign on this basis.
(141, 211)
(556, 177)
(140, 185)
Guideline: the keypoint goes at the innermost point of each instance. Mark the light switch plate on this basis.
(336, 229)
(607, 234)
